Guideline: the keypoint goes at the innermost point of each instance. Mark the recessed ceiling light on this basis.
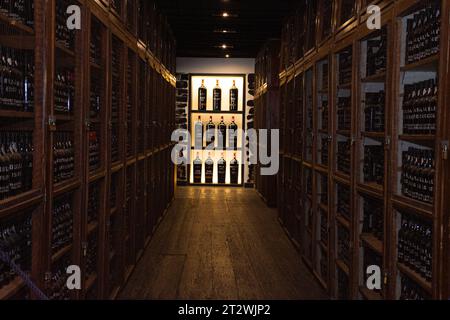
(225, 14)
(227, 56)
(224, 46)
(225, 31)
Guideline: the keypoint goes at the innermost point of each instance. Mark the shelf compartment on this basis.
(11, 289)
(341, 265)
(370, 294)
(90, 281)
(61, 253)
(372, 242)
(418, 279)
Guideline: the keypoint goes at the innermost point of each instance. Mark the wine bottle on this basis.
(202, 97)
(198, 164)
(198, 131)
(210, 133)
(234, 97)
(222, 144)
(234, 170)
(221, 169)
(217, 97)
(233, 135)
(209, 169)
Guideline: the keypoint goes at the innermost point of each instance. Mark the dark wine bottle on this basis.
(202, 97)
(217, 97)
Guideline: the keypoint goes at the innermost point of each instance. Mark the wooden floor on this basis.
(220, 243)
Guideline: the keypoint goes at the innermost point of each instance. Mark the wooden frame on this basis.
(354, 33)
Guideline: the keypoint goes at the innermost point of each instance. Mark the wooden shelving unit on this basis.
(120, 137)
(316, 225)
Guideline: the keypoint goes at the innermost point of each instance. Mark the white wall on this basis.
(215, 65)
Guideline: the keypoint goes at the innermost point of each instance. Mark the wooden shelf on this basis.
(16, 114)
(8, 291)
(61, 117)
(415, 277)
(424, 139)
(61, 253)
(411, 205)
(66, 186)
(373, 135)
(16, 26)
(216, 112)
(372, 242)
(343, 221)
(427, 64)
(380, 77)
(64, 50)
(341, 265)
(372, 189)
(17, 203)
(370, 294)
(90, 281)
(92, 227)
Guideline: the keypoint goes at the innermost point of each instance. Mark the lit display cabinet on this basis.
(216, 123)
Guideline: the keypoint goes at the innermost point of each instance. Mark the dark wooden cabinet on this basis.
(349, 94)
(117, 117)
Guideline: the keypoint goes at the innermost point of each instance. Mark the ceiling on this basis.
(250, 24)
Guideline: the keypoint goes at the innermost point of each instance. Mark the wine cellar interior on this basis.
(138, 141)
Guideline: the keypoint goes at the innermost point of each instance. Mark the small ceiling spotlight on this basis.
(225, 14)
(227, 56)
(225, 31)
(224, 46)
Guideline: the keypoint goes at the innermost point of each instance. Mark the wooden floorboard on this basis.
(221, 243)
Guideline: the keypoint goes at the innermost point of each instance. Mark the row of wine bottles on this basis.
(217, 97)
(411, 290)
(423, 33)
(63, 157)
(58, 289)
(15, 241)
(221, 170)
(374, 111)
(211, 134)
(415, 245)
(417, 177)
(419, 107)
(373, 169)
(16, 79)
(344, 156)
(62, 222)
(373, 220)
(16, 163)
(93, 203)
(94, 151)
(91, 256)
(64, 90)
(344, 113)
(343, 245)
(64, 36)
(343, 201)
(376, 55)
(19, 10)
(345, 66)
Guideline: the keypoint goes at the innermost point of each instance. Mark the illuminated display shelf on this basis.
(225, 82)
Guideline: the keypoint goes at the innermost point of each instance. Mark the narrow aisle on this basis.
(229, 245)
